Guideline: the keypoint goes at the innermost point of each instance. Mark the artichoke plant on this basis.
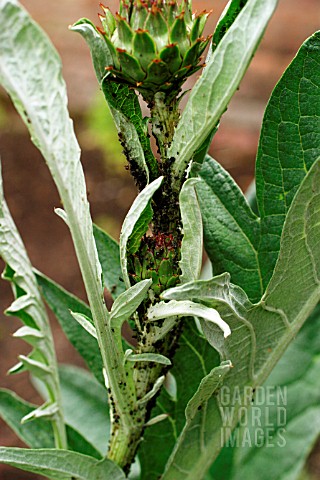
(155, 45)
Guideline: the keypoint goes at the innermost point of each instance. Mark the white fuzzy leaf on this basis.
(148, 357)
(130, 221)
(85, 323)
(192, 242)
(48, 410)
(128, 302)
(187, 309)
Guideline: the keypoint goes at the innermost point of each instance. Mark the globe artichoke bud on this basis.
(155, 45)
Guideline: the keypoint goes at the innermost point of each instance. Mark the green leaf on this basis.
(85, 406)
(200, 154)
(38, 433)
(137, 209)
(192, 242)
(264, 330)
(187, 309)
(35, 434)
(59, 464)
(289, 145)
(109, 257)
(132, 129)
(296, 378)
(231, 229)
(61, 302)
(193, 360)
(78, 443)
(227, 18)
(226, 67)
(196, 408)
(139, 230)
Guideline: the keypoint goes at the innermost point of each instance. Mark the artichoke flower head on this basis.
(154, 44)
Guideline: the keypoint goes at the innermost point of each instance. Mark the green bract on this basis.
(155, 45)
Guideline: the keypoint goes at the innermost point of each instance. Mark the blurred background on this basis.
(31, 194)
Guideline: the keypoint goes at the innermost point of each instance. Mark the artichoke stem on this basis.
(123, 443)
(165, 115)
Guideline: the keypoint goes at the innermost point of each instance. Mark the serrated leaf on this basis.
(38, 433)
(192, 242)
(133, 216)
(85, 323)
(59, 464)
(210, 96)
(264, 330)
(289, 145)
(128, 302)
(187, 309)
(60, 301)
(231, 229)
(109, 256)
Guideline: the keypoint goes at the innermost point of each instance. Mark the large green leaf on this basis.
(289, 144)
(85, 405)
(194, 359)
(61, 302)
(35, 434)
(59, 464)
(109, 256)
(38, 433)
(220, 79)
(291, 426)
(231, 229)
(262, 332)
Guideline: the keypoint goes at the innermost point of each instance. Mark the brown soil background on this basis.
(31, 194)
